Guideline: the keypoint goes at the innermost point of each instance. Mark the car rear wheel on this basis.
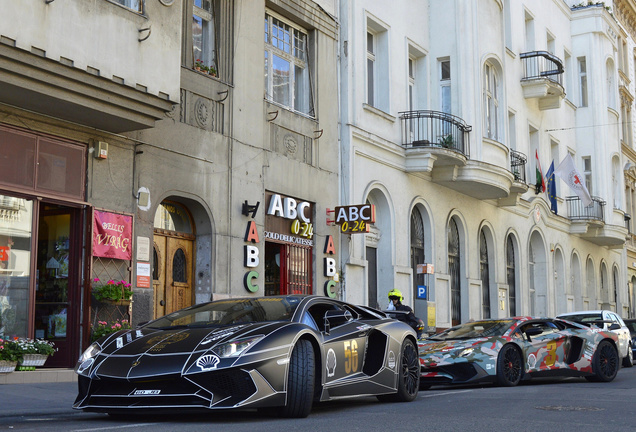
(409, 375)
(509, 368)
(628, 360)
(604, 363)
(300, 381)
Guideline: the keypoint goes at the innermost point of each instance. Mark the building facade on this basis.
(449, 112)
(167, 144)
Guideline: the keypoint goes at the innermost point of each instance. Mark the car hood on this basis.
(144, 352)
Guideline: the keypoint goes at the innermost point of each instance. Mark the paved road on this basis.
(567, 405)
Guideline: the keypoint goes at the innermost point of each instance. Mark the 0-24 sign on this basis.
(355, 219)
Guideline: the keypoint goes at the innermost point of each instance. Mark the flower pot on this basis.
(7, 366)
(33, 360)
(116, 302)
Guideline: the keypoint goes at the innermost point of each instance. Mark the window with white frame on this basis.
(204, 49)
(136, 5)
(568, 74)
(582, 81)
(445, 85)
(377, 73)
(371, 69)
(416, 78)
(287, 71)
(491, 102)
(587, 173)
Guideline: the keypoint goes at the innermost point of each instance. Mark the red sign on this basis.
(112, 235)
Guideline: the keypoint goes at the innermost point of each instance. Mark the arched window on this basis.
(453, 270)
(417, 247)
(511, 277)
(531, 274)
(485, 278)
(491, 102)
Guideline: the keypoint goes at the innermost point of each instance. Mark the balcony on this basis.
(543, 79)
(434, 138)
(437, 144)
(589, 223)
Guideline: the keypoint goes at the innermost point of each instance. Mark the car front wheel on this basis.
(300, 381)
(509, 367)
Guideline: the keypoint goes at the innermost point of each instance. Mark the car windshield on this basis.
(228, 312)
(587, 318)
(475, 330)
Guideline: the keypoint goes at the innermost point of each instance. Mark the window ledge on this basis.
(379, 112)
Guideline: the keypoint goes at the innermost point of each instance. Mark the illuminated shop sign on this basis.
(355, 219)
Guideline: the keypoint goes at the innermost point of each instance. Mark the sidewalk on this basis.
(43, 391)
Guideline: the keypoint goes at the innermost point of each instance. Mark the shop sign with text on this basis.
(112, 235)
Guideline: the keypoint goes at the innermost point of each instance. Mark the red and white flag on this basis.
(570, 175)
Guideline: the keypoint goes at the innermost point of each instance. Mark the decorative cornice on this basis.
(625, 12)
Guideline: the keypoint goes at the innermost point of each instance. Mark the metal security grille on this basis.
(510, 276)
(298, 270)
(453, 270)
(106, 269)
(485, 278)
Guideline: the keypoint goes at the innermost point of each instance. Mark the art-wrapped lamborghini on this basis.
(505, 351)
(283, 352)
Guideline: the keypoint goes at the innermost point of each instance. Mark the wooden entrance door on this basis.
(172, 273)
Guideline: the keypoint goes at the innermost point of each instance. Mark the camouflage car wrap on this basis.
(508, 350)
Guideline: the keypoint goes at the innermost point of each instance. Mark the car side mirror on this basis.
(614, 326)
(335, 318)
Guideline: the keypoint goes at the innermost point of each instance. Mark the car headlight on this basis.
(466, 352)
(236, 347)
(90, 352)
(88, 357)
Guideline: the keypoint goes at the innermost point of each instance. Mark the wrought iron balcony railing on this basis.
(577, 211)
(542, 64)
(518, 165)
(425, 128)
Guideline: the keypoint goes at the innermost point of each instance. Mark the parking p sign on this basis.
(421, 292)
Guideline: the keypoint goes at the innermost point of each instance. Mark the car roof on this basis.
(598, 311)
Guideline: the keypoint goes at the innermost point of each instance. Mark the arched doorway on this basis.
(173, 258)
(454, 265)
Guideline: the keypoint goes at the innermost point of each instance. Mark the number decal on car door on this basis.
(351, 356)
(550, 359)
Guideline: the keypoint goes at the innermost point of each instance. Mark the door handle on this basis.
(162, 303)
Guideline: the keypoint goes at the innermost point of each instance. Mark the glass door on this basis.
(57, 282)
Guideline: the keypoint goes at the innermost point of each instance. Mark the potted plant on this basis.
(112, 292)
(10, 355)
(103, 328)
(446, 141)
(34, 352)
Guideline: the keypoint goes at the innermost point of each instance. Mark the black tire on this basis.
(509, 366)
(409, 375)
(604, 363)
(300, 381)
(628, 360)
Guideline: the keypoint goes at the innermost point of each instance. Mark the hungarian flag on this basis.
(540, 182)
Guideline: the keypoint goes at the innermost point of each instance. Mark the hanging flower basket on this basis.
(7, 366)
(116, 302)
(33, 360)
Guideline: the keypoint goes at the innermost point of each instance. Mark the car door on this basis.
(344, 346)
(546, 346)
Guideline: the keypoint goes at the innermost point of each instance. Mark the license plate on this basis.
(147, 392)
